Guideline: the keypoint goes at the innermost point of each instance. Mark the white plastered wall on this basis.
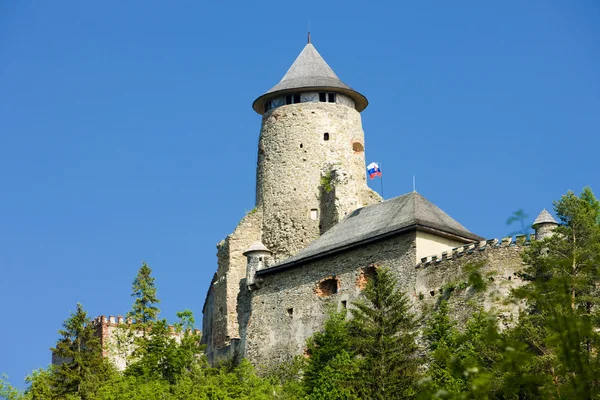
(429, 244)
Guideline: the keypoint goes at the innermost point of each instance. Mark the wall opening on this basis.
(327, 287)
(344, 304)
(290, 312)
(301, 146)
(314, 214)
(365, 275)
(326, 136)
(358, 147)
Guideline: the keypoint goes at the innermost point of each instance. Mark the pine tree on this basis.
(383, 335)
(563, 297)
(144, 311)
(82, 365)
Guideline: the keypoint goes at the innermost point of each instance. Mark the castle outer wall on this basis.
(291, 305)
(277, 318)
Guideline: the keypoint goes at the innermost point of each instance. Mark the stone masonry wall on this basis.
(220, 320)
(444, 277)
(293, 157)
(291, 305)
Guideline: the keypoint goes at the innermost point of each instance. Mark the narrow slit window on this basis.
(326, 136)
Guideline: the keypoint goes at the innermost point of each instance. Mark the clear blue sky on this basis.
(127, 133)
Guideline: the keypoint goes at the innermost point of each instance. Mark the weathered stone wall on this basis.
(220, 320)
(291, 305)
(445, 277)
(294, 157)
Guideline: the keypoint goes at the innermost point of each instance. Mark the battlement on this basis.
(111, 321)
(472, 249)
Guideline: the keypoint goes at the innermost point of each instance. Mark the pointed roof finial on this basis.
(308, 36)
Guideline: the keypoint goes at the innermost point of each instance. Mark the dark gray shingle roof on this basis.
(544, 218)
(310, 71)
(380, 220)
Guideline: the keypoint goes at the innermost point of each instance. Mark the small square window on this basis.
(288, 99)
(322, 97)
(296, 98)
(331, 97)
(314, 214)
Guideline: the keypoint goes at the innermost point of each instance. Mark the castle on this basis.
(318, 232)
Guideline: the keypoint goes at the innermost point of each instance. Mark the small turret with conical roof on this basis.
(258, 257)
(544, 225)
(311, 163)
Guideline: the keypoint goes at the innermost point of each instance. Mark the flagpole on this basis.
(381, 178)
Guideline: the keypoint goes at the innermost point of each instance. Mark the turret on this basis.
(258, 257)
(311, 163)
(544, 224)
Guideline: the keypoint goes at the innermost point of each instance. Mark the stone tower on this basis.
(311, 162)
(544, 225)
(310, 174)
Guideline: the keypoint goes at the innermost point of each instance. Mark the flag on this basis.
(373, 170)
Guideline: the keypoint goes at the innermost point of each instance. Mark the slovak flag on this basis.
(373, 170)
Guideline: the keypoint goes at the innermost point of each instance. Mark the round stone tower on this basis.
(544, 225)
(311, 162)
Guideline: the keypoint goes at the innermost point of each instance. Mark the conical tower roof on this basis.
(256, 246)
(544, 218)
(310, 72)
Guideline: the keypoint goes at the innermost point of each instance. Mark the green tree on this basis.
(144, 310)
(7, 391)
(563, 298)
(383, 335)
(331, 366)
(82, 366)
